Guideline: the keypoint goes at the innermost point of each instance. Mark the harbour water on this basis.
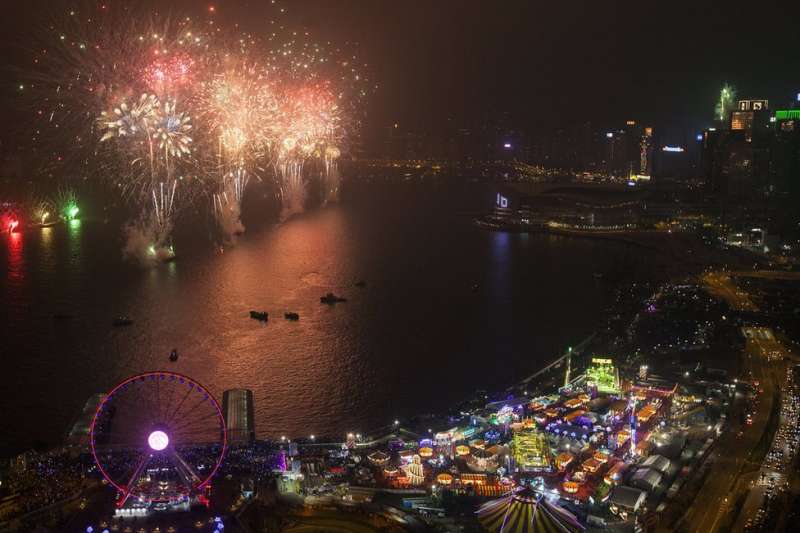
(419, 337)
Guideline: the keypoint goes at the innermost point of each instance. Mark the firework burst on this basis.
(173, 132)
(171, 109)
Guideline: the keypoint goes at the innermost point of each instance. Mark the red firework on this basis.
(168, 73)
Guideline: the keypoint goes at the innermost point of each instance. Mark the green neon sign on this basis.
(787, 114)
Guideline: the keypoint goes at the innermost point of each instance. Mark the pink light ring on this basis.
(192, 383)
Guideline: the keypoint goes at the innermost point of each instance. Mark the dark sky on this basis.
(557, 62)
(547, 63)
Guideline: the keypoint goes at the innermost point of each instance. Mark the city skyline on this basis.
(549, 67)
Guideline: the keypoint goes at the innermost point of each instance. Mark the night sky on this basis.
(548, 64)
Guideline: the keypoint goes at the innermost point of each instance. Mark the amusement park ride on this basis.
(158, 438)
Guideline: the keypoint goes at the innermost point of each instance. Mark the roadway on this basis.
(719, 494)
(720, 285)
(768, 274)
(771, 350)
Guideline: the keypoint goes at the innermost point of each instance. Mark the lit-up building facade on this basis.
(531, 451)
(737, 158)
(750, 117)
(603, 375)
(785, 151)
(237, 406)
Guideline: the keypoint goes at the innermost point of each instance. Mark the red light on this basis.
(211, 9)
(12, 225)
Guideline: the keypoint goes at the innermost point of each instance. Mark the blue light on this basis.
(507, 146)
(172, 123)
(672, 149)
(798, 97)
(699, 136)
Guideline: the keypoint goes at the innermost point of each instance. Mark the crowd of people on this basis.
(35, 481)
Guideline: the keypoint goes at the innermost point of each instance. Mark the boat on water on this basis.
(122, 321)
(263, 316)
(331, 299)
(48, 224)
(173, 355)
(291, 316)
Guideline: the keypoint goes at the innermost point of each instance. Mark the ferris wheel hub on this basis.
(158, 440)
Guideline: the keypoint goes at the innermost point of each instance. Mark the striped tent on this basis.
(525, 511)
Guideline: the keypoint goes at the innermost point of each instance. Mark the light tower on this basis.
(569, 366)
(633, 424)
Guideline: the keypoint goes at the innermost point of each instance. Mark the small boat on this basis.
(173, 355)
(122, 321)
(263, 316)
(331, 299)
(361, 284)
(49, 224)
(291, 316)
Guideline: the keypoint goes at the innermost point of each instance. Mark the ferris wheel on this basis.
(159, 438)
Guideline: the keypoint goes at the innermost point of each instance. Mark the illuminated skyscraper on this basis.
(785, 152)
(237, 407)
(646, 153)
(724, 105)
(751, 117)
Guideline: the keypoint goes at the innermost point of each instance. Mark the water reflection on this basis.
(500, 263)
(74, 235)
(416, 331)
(47, 237)
(16, 259)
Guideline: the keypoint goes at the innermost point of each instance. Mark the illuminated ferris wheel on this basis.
(158, 438)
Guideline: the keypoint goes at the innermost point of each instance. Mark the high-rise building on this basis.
(785, 152)
(646, 144)
(751, 117)
(237, 408)
(736, 160)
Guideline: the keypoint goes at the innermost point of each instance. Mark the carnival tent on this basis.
(524, 510)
